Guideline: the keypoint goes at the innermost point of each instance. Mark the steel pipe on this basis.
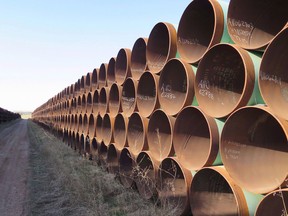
(254, 149)
(103, 101)
(107, 130)
(161, 46)
(114, 103)
(113, 155)
(128, 98)
(123, 65)
(138, 58)
(126, 168)
(120, 131)
(95, 75)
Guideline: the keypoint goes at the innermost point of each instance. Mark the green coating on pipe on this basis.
(225, 36)
(256, 97)
(194, 102)
(220, 124)
(252, 201)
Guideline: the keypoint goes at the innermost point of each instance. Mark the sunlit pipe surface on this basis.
(120, 131)
(114, 103)
(111, 72)
(123, 65)
(127, 163)
(138, 58)
(129, 95)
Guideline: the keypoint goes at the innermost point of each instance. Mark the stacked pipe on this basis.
(6, 115)
(195, 118)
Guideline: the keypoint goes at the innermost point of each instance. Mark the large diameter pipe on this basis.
(253, 24)
(82, 84)
(92, 126)
(201, 26)
(107, 129)
(120, 131)
(274, 203)
(161, 46)
(146, 175)
(127, 163)
(173, 186)
(138, 58)
(83, 104)
(176, 86)
(147, 97)
(129, 95)
(226, 80)
(137, 133)
(196, 138)
(213, 192)
(273, 79)
(88, 83)
(102, 80)
(123, 65)
(89, 103)
(254, 149)
(94, 149)
(95, 100)
(98, 131)
(85, 127)
(94, 80)
(111, 72)
(159, 135)
(115, 99)
(103, 101)
(113, 155)
(102, 154)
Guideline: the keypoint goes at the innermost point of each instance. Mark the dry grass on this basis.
(63, 183)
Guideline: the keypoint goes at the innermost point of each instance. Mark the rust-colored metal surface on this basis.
(113, 155)
(115, 95)
(159, 135)
(147, 97)
(126, 168)
(111, 72)
(195, 138)
(103, 101)
(92, 126)
(120, 131)
(201, 26)
(137, 133)
(273, 76)
(94, 80)
(176, 86)
(213, 192)
(128, 98)
(224, 80)
(102, 79)
(123, 65)
(161, 46)
(138, 58)
(98, 129)
(254, 149)
(95, 106)
(107, 129)
(173, 185)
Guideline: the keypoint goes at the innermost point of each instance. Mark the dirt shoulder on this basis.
(14, 153)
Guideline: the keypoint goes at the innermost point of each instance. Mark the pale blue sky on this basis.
(46, 45)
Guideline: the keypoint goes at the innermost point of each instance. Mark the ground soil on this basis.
(14, 152)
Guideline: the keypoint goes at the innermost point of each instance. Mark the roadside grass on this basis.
(62, 182)
(4, 125)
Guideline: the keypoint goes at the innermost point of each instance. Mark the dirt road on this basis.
(14, 151)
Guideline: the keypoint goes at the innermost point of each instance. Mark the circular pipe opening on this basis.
(111, 71)
(147, 98)
(195, 138)
(253, 143)
(107, 129)
(159, 136)
(95, 106)
(275, 203)
(85, 124)
(98, 131)
(89, 103)
(94, 148)
(95, 74)
(161, 46)
(102, 80)
(201, 26)
(253, 24)
(120, 131)
(138, 58)
(92, 126)
(126, 165)
(82, 84)
(113, 159)
(224, 80)
(83, 104)
(213, 192)
(146, 171)
(123, 65)
(273, 76)
(173, 186)
(115, 99)
(128, 98)
(176, 86)
(102, 154)
(79, 104)
(80, 124)
(103, 101)
(88, 83)
(137, 133)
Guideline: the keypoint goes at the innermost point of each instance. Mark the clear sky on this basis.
(46, 45)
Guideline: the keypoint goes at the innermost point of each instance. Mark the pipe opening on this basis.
(92, 125)
(126, 168)
(95, 79)
(107, 130)
(114, 99)
(112, 159)
(128, 98)
(122, 65)
(138, 58)
(102, 79)
(111, 71)
(95, 108)
(120, 131)
(98, 128)
(103, 101)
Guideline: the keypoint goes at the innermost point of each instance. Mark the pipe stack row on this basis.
(6, 115)
(195, 118)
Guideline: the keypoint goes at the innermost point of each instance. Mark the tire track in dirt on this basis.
(14, 153)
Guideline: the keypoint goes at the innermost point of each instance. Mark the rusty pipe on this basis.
(102, 79)
(102, 154)
(113, 155)
(98, 128)
(159, 135)
(147, 97)
(92, 126)
(138, 58)
(114, 103)
(123, 65)
(111, 72)
(161, 46)
(126, 168)
(253, 24)
(107, 130)
(254, 148)
(137, 133)
(95, 106)
(129, 95)
(176, 86)
(94, 79)
(89, 103)
(88, 83)
(103, 101)
(120, 131)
